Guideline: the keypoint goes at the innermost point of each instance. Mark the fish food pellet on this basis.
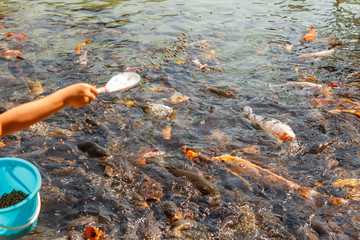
(9, 199)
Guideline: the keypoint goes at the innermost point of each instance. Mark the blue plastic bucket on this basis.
(18, 220)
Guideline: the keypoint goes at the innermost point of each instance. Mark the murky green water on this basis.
(243, 44)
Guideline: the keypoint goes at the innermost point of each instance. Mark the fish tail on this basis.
(77, 50)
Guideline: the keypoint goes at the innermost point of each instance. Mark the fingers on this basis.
(81, 94)
(90, 94)
(94, 90)
(90, 97)
(87, 100)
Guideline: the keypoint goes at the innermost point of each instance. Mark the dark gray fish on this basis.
(219, 92)
(322, 229)
(182, 224)
(149, 228)
(172, 211)
(92, 149)
(200, 183)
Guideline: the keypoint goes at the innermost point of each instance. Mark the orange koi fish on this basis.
(280, 131)
(265, 177)
(94, 233)
(341, 103)
(287, 46)
(191, 155)
(311, 78)
(337, 84)
(352, 111)
(17, 36)
(7, 54)
(2, 26)
(310, 35)
(322, 102)
(351, 185)
(77, 50)
(11, 52)
(325, 53)
(194, 153)
(154, 152)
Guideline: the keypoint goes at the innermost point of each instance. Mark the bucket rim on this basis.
(33, 193)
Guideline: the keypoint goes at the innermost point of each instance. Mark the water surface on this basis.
(243, 45)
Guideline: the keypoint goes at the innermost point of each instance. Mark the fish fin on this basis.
(278, 142)
(169, 167)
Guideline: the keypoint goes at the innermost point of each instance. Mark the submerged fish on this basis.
(287, 46)
(182, 224)
(300, 85)
(200, 183)
(158, 110)
(265, 177)
(325, 53)
(83, 59)
(280, 131)
(220, 92)
(93, 149)
(172, 211)
(305, 86)
(352, 111)
(35, 87)
(199, 64)
(352, 186)
(17, 36)
(9, 54)
(152, 153)
(341, 103)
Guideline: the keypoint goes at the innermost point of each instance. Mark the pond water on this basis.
(122, 163)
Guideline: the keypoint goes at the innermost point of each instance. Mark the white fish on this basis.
(273, 127)
(318, 54)
(158, 110)
(304, 88)
(199, 64)
(83, 60)
(299, 85)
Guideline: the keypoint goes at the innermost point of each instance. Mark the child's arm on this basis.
(23, 116)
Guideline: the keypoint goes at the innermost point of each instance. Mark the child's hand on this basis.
(23, 116)
(79, 94)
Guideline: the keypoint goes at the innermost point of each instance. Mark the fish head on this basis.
(285, 135)
(247, 111)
